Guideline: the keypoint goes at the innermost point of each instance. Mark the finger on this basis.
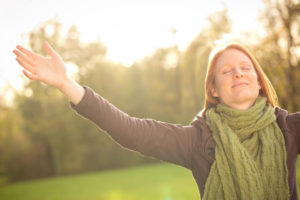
(50, 50)
(27, 52)
(26, 66)
(23, 57)
(30, 76)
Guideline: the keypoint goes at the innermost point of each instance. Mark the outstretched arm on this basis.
(51, 71)
(165, 141)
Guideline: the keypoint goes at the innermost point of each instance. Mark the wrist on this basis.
(72, 90)
(65, 83)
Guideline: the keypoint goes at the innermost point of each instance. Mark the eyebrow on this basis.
(224, 66)
(243, 62)
(246, 62)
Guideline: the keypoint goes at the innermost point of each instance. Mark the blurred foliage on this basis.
(279, 50)
(41, 136)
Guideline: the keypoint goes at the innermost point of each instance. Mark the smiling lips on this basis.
(238, 84)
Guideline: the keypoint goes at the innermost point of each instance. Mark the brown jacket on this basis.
(190, 146)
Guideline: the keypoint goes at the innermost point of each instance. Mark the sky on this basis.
(130, 29)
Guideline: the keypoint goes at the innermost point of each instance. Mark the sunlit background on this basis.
(149, 59)
(130, 29)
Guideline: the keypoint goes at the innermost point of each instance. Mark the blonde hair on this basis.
(266, 90)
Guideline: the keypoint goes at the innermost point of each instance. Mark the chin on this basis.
(245, 97)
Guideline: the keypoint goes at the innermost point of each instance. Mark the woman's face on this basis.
(236, 82)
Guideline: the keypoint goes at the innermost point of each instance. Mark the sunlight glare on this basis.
(130, 29)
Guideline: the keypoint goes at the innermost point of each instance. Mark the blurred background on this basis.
(146, 57)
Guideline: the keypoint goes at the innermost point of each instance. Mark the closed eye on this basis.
(226, 72)
(246, 68)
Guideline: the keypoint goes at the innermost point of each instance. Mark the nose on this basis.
(238, 73)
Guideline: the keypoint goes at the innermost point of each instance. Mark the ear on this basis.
(214, 92)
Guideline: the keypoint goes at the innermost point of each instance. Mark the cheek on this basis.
(223, 82)
(255, 85)
(253, 78)
(222, 85)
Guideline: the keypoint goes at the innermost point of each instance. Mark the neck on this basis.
(241, 105)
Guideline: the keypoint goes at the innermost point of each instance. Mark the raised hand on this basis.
(51, 71)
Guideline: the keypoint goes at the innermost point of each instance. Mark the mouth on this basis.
(239, 84)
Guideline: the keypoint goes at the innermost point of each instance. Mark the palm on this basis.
(51, 71)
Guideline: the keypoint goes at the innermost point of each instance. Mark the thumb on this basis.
(50, 50)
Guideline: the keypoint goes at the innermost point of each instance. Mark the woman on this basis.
(242, 147)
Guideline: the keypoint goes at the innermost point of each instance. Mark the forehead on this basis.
(232, 57)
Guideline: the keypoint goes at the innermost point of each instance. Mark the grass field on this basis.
(149, 182)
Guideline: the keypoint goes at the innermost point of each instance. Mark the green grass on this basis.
(149, 182)
(298, 176)
(158, 181)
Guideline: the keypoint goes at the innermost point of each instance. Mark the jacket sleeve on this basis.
(161, 140)
(295, 120)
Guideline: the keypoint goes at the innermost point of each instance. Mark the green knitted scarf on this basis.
(250, 154)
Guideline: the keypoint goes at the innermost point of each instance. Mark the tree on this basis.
(279, 49)
(167, 86)
(47, 117)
